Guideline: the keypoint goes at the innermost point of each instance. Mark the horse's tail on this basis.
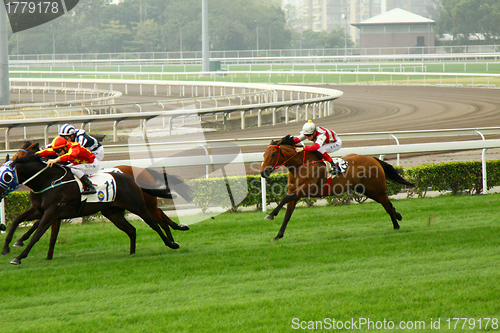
(173, 183)
(157, 192)
(393, 174)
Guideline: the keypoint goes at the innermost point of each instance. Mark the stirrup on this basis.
(335, 169)
(89, 190)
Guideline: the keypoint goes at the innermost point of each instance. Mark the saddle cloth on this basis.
(105, 185)
(340, 162)
(342, 166)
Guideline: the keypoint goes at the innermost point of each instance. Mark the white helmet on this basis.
(67, 129)
(308, 128)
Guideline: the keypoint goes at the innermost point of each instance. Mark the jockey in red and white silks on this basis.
(325, 141)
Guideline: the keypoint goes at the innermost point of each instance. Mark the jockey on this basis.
(82, 161)
(71, 134)
(325, 141)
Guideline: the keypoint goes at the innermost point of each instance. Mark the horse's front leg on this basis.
(27, 235)
(286, 199)
(45, 222)
(289, 210)
(30, 214)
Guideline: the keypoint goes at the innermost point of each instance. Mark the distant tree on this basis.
(156, 25)
(112, 34)
(321, 39)
(146, 39)
(467, 20)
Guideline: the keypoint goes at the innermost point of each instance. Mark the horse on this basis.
(144, 177)
(308, 177)
(55, 195)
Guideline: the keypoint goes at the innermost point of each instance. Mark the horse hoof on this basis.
(277, 238)
(5, 251)
(16, 261)
(183, 227)
(3, 227)
(396, 227)
(399, 217)
(174, 245)
(18, 244)
(269, 217)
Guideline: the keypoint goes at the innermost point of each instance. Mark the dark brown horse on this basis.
(147, 177)
(55, 195)
(307, 177)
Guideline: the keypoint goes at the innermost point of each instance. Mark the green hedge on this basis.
(453, 176)
(16, 203)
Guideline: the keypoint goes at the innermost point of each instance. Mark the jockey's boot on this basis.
(88, 187)
(334, 170)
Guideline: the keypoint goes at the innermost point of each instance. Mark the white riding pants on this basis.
(84, 169)
(99, 153)
(330, 147)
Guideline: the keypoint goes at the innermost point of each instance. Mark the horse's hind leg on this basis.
(158, 217)
(389, 208)
(171, 223)
(53, 238)
(116, 215)
(383, 199)
(143, 214)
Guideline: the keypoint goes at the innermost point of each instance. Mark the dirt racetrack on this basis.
(397, 108)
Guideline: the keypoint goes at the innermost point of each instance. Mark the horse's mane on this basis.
(289, 140)
(29, 157)
(286, 140)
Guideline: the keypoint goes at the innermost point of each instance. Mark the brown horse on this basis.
(147, 177)
(307, 177)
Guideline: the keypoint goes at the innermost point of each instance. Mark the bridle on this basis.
(280, 152)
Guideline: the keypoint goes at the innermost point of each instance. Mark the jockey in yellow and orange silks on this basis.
(325, 141)
(82, 161)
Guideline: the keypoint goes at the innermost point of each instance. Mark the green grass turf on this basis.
(344, 263)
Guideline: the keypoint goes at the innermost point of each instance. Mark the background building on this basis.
(326, 15)
(399, 30)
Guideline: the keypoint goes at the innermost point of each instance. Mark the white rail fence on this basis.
(333, 77)
(453, 53)
(319, 99)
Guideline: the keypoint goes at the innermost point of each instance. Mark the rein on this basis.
(55, 183)
(276, 166)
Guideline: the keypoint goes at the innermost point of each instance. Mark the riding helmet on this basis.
(308, 128)
(67, 129)
(59, 142)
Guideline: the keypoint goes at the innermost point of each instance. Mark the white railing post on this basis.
(483, 165)
(264, 193)
(391, 136)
